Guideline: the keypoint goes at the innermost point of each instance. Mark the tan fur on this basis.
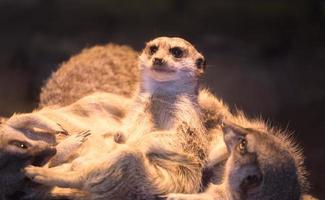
(89, 71)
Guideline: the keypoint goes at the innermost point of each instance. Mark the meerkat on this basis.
(32, 135)
(261, 165)
(123, 70)
(215, 110)
(165, 146)
(79, 76)
(108, 68)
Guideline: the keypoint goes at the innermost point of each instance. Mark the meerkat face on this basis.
(17, 148)
(16, 152)
(258, 166)
(165, 59)
(242, 170)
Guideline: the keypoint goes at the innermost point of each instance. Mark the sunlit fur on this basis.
(166, 143)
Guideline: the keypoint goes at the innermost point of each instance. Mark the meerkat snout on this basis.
(158, 62)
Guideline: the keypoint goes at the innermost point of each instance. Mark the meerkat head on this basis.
(16, 152)
(18, 148)
(261, 165)
(171, 58)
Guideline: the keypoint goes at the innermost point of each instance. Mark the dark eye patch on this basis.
(153, 49)
(177, 52)
(200, 63)
(19, 144)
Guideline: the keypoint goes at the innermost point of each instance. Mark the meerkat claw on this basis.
(63, 131)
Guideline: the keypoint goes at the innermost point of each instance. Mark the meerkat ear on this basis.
(232, 134)
(2, 120)
(201, 65)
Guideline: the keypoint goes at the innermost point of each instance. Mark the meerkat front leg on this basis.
(68, 148)
(53, 177)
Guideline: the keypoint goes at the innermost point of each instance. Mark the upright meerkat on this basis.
(166, 145)
(261, 165)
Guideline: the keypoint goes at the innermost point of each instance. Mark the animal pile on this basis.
(112, 125)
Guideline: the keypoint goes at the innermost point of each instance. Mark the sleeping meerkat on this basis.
(33, 138)
(261, 166)
(166, 140)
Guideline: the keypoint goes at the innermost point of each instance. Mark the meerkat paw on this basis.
(68, 148)
(39, 174)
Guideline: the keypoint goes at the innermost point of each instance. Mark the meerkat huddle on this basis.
(159, 155)
(157, 145)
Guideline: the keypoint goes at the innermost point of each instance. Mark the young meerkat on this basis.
(261, 165)
(166, 140)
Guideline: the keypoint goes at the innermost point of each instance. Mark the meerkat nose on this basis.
(158, 61)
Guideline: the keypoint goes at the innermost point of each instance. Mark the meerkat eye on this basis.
(177, 52)
(243, 146)
(19, 144)
(200, 63)
(153, 49)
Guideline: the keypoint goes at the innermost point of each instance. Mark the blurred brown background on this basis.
(264, 56)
